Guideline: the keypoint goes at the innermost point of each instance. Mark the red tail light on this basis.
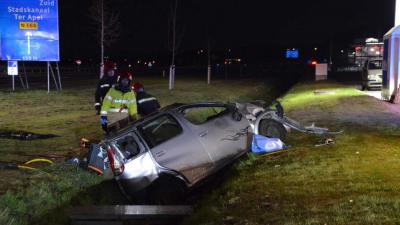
(117, 166)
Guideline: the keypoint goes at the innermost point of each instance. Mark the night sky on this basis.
(235, 24)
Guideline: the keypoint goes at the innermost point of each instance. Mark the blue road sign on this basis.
(292, 54)
(29, 30)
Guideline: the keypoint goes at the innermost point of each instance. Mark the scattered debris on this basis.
(228, 219)
(26, 136)
(90, 157)
(233, 200)
(266, 204)
(326, 141)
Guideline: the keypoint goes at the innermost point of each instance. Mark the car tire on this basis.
(273, 129)
(166, 191)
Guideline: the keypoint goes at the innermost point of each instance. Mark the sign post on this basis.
(12, 70)
(29, 31)
(321, 71)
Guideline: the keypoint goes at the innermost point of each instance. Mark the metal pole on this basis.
(209, 74)
(59, 77)
(26, 76)
(13, 83)
(102, 40)
(54, 77)
(22, 81)
(48, 77)
(397, 14)
(171, 77)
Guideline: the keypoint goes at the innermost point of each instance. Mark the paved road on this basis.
(393, 108)
(375, 94)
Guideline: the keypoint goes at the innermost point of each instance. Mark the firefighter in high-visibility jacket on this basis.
(119, 106)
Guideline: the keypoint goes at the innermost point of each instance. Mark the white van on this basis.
(372, 75)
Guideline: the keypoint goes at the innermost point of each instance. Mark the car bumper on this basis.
(374, 84)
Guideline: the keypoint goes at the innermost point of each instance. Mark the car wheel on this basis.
(166, 191)
(273, 129)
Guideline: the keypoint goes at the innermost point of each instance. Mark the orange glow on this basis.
(314, 63)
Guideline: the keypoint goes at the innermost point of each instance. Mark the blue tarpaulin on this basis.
(262, 145)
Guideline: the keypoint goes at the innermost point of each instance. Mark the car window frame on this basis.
(145, 137)
(221, 114)
(135, 136)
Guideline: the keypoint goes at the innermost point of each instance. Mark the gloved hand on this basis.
(104, 122)
(98, 109)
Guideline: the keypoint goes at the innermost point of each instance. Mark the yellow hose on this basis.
(39, 160)
(26, 167)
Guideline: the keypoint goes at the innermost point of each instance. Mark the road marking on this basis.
(28, 36)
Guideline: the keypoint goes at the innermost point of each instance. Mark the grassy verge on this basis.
(41, 197)
(355, 181)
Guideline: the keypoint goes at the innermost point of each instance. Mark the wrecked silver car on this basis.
(170, 151)
(177, 147)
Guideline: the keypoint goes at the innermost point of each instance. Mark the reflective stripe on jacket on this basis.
(117, 101)
(146, 103)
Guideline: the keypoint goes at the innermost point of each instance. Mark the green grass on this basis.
(304, 95)
(355, 181)
(42, 196)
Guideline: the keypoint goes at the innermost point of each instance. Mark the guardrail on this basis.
(140, 214)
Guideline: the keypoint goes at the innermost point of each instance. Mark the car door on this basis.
(174, 146)
(223, 136)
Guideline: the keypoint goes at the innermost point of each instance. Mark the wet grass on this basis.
(355, 181)
(41, 197)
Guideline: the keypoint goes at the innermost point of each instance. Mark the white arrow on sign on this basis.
(28, 36)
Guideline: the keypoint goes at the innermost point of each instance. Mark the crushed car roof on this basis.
(165, 109)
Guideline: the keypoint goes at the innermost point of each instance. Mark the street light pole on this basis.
(397, 14)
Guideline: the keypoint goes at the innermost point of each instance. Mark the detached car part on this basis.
(273, 123)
